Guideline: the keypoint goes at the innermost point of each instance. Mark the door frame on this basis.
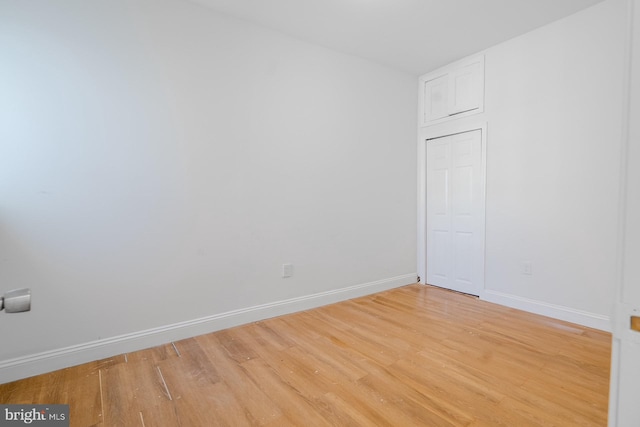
(425, 134)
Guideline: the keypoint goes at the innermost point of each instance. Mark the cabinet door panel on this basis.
(464, 89)
(436, 93)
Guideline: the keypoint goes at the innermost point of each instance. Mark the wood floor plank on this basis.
(345, 364)
(153, 355)
(590, 409)
(192, 365)
(77, 386)
(411, 356)
(307, 410)
(449, 399)
(130, 388)
(258, 408)
(402, 404)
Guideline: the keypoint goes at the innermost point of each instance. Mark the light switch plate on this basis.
(287, 270)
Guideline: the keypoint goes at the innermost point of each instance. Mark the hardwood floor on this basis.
(412, 356)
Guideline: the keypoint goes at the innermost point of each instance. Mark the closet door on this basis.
(455, 212)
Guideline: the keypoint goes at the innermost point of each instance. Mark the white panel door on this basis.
(464, 89)
(624, 404)
(439, 260)
(436, 104)
(455, 212)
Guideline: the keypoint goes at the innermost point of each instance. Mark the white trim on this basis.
(439, 132)
(580, 317)
(35, 364)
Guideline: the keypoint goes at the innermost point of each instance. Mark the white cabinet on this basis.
(452, 91)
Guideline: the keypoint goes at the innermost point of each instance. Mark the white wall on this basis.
(553, 105)
(159, 162)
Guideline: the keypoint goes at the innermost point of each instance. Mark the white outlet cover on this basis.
(526, 268)
(287, 270)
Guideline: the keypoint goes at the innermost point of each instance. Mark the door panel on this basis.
(455, 212)
(438, 198)
(441, 192)
(464, 89)
(624, 407)
(436, 93)
(441, 262)
(463, 183)
(464, 258)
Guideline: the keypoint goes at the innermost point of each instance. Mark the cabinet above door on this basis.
(453, 91)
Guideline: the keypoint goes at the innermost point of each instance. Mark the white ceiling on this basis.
(413, 35)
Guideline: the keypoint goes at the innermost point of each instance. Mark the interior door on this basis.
(455, 212)
(624, 407)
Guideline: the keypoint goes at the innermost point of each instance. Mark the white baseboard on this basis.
(27, 366)
(580, 317)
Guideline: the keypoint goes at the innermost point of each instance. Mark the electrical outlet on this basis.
(526, 268)
(287, 270)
